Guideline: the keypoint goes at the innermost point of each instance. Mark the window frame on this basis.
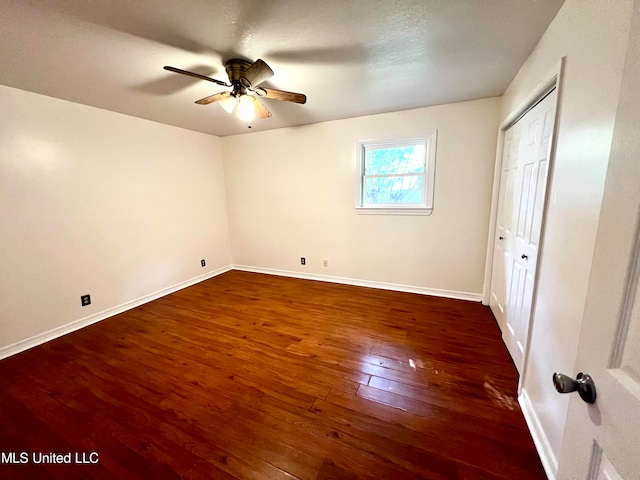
(428, 184)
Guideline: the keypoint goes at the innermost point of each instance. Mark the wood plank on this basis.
(329, 471)
(255, 376)
(445, 437)
(203, 470)
(490, 404)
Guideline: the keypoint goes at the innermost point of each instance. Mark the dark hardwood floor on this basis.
(253, 376)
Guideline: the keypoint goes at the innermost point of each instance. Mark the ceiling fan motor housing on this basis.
(235, 69)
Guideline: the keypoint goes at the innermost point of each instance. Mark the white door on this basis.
(504, 231)
(524, 176)
(602, 440)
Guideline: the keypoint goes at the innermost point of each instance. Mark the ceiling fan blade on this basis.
(257, 73)
(196, 75)
(260, 110)
(213, 98)
(286, 96)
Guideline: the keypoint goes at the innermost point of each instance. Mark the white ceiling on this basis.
(350, 58)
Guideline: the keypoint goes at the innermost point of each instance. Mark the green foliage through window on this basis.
(397, 176)
(394, 160)
(394, 175)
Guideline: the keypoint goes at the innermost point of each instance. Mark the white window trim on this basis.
(425, 208)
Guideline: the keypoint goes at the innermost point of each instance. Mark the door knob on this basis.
(524, 257)
(583, 384)
(500, 238)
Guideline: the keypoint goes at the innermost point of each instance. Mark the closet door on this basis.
(517, 244)
(502, 249)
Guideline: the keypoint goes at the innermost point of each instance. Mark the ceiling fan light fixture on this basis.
(246, 108)
(229, 103)
(244, 77)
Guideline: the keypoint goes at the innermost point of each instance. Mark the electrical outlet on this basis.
(86, 300)
(202, 262)
(303, 261)
(325, 263)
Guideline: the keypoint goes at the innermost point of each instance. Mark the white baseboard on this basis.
(96, 317)
(475, 297)
(41, 338)
(547, 457)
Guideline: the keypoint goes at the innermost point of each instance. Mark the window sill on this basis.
(393, 211)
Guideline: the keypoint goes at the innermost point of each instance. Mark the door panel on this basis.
(525, 200)
(631, 348)
(520, 213)
(541, 190)
(501, 274)
(602, 440)
(514, 292)
(498, 293)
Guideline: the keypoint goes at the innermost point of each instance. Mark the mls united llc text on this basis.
(40, 457)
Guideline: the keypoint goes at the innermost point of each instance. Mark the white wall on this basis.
(291, 194)
(95, 202)
(592, 36)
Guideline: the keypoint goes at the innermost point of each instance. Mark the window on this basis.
(397, 176)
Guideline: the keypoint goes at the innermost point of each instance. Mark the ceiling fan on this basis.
(244, 98)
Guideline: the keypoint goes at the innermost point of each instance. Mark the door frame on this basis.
(554, 79)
